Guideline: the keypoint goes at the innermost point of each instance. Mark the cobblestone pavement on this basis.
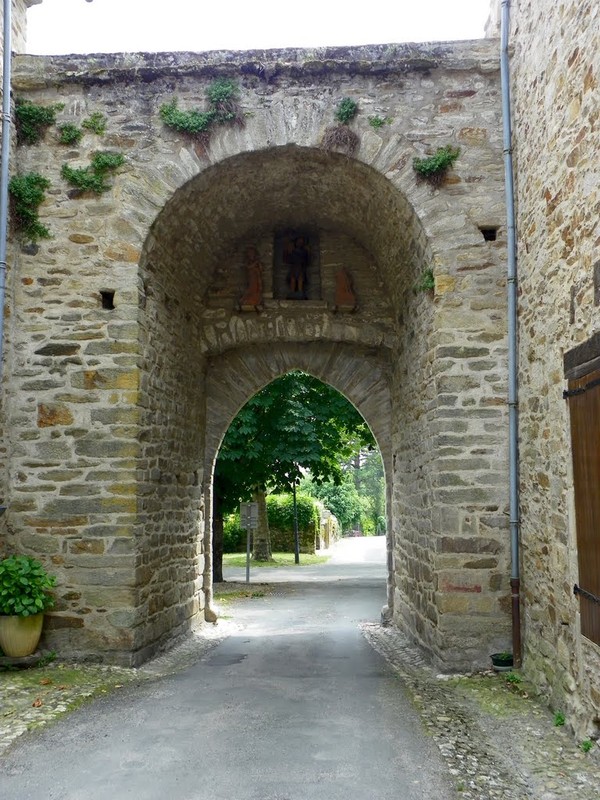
(498, 741)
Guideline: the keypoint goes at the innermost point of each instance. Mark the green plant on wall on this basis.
(340, 138)
(223, 108)
(93, 178)
(433, 168)
(69, 134)
(378, 122)
(95, 123)
(32, 120)
(27, 193)
(346, 111)
(426, 282)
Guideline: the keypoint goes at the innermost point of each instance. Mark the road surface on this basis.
(294, 706)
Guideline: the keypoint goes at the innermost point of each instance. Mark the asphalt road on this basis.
(295, 706)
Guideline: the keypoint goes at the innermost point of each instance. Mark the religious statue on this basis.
(252, 298)
(345, 297)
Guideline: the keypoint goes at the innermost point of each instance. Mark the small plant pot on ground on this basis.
(19, 636)
(502, 662)
(25, 593)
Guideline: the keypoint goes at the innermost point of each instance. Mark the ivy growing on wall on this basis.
(27, 193)
(93, 178)
(33, 120)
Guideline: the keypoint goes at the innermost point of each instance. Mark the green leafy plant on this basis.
(586, 745)
(223, 108)
(69, 134)
(25, 587)
(46, 659)
(513, 679)
(559, 719)
(378, 122)
(93, 178)
(191, 122)
(346, 111)
(434, 167)
(96, 123)
(27, 194)
(32, 120)
(427, 284)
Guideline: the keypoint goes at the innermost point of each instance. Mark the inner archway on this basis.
(306, 458)
(365, 385)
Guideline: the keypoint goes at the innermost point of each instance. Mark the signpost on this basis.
(248, 522)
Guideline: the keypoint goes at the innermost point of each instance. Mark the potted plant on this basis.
(24, 596)
(502, 662)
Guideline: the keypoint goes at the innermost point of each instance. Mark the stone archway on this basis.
(109, 420)
(361, 374)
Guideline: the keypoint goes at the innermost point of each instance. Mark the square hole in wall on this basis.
(489, 232)
(108, 299)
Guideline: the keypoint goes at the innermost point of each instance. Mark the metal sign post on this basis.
(248, 522)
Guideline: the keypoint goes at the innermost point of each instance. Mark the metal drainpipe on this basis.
(4, 163)
(511, 279)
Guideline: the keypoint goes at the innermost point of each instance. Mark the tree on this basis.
(295, 423)
(342, 499)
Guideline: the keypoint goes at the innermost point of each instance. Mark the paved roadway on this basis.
(295, 706)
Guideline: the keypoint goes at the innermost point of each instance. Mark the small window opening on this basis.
(108, 299)
(490, 234)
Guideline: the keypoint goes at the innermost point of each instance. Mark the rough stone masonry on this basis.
(127, 355)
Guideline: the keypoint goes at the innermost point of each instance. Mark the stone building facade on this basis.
(126, 353)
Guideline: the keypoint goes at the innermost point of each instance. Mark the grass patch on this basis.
(494, 695)
(279, 560)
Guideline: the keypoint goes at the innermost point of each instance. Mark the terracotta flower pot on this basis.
(19, 636)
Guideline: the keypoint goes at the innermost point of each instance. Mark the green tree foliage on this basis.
(358, 501)
(342, 499)
(293, 424)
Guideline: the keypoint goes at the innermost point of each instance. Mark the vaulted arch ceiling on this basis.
(287, 186)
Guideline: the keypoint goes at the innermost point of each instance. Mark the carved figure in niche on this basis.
(297, 257)
(345, 297)
(253, 296)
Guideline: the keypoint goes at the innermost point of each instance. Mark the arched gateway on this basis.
(229, 263)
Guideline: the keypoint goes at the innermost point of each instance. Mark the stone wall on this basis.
(555, 73)
(116, 414)
(19, 26)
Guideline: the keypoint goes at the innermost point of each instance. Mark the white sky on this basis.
(75, 26)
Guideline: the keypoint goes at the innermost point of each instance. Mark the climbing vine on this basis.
(93, 178)
(27, 193)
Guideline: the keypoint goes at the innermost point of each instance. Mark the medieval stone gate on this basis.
(127, 354)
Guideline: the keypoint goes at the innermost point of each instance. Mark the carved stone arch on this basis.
(361, 374)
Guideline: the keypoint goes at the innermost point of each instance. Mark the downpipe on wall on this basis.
(4, 163)
(513, 386)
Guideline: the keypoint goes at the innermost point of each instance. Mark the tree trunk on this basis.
(217, 540)
(262, 538)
